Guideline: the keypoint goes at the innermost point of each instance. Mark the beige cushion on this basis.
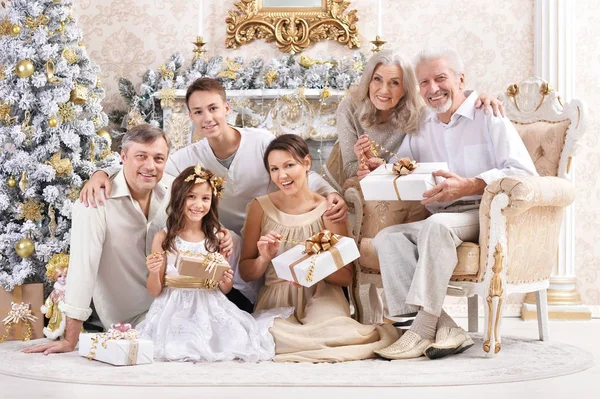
(545, 142)
(468, 259)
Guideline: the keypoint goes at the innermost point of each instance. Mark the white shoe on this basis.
(449, 341)
(409, 346)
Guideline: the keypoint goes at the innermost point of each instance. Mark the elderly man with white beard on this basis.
(417, 259)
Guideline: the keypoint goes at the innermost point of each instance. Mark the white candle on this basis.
(200, 18)
(379, 16)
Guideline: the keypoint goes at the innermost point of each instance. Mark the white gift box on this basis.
(295, 264)
(118, 352)
(383, 184)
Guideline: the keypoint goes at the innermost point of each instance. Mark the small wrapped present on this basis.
(198, 270)
(20, 316)
(120, 346)
(321, 255)
(405, 180)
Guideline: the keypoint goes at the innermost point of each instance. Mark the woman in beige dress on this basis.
(321, 329)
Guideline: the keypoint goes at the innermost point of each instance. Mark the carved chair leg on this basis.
(494, 310)
(473, 308)
(542, 313)
(489, 315)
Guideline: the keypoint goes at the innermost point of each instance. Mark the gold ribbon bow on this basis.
(324, 241)
(19, 312)
(404, 166)
(113, 334)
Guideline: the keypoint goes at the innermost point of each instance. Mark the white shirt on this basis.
(109, 245)
(473, 143)
(246, 177)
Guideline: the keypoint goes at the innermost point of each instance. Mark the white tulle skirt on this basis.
(203, 325)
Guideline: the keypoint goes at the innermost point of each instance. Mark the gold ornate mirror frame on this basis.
(292, 28)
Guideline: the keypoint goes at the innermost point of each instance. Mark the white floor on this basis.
(580, 385)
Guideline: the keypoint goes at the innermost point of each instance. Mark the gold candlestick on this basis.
(378, 43)
(199, 50)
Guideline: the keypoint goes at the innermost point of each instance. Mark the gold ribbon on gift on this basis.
(175, 281)
(130, 335)
(323, 241)
(19, 312)
(403, 167)
(210, 260)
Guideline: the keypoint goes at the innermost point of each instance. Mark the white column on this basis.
(554, 52)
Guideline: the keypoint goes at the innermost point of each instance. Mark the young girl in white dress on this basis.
(197, 324)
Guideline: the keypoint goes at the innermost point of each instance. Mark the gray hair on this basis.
(143, 134)
(405, 115)
(447, 53)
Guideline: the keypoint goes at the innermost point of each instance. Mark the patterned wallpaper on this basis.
(587, 202)
(126, 37)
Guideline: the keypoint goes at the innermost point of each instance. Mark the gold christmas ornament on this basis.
(12, 183)
(165, 72)
(61, 166)
(270, 77)
(134, 118)
(5, 110)
(16, 29)
(70, 55)
(79, 95)
(24, 248)
(23, 182)
(52, 224)
(66, 112)
(6, 27)
(34, 23)
(61, 28)
(26, 128)
(167, 97)
(24, 68)
(50, 72)
(30, 210)
(52, 122)
(2, 73)
(73, 193)
(92, 151)
(106, 135)
(97, 121)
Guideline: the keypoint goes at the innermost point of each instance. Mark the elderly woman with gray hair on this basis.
(383, 107)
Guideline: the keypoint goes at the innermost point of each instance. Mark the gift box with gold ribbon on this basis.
(321, 255)
(405, 180)
(20, 315)
(198, 270)
(120, 346)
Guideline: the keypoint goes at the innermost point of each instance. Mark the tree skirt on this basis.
(519, 360)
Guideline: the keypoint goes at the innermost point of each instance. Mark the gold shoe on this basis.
(409, 346)
(449, 341)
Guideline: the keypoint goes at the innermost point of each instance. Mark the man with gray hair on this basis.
(418, 259)
(109, 244)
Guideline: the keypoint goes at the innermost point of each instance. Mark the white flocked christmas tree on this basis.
(52, 133)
